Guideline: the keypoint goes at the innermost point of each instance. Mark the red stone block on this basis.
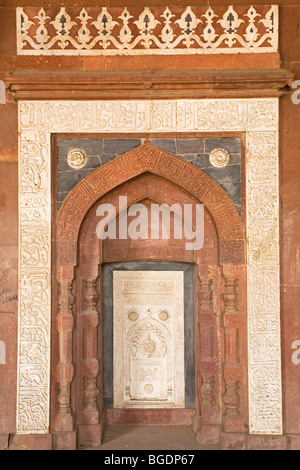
(9, 138)
(267, 442)
(233, 441)
(181, 62)
(4, 441)
(149, 416)
(90, 434)
(289, 32)
(294, 442)
(7, 32)
(232, 251)
(64, 441)
(31, 442)
(209, 435)
(290, 274)
(45, 63)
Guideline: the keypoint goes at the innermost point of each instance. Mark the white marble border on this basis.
(258, 118)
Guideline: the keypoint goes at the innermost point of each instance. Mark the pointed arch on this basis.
(148, 158)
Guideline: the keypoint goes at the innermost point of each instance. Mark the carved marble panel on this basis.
(148, 339)
(264, 352)
(258, 118)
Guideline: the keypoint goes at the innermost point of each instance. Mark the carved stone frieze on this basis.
(259, 120)
(144, 30)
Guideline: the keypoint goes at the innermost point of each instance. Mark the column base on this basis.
(196, 423)
(209, 435)
(92, 434)
(64, 440)
(31, 442)
(233, 441)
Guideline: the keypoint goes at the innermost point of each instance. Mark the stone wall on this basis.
(194, 150)
(289, 166)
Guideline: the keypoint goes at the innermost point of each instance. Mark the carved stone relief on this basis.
(219, 158)
(148, 339)
(138, 31)
(258, 118)
(76, 159)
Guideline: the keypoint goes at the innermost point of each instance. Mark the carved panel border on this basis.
(144, 30)
(258, 118)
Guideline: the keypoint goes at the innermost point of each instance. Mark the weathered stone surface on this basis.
(119, 146)
(101, 151)
(166, 144)
(289, 166)
(232, 145)
(294, 442)
(4, 441)
(267, 443)
(233, 441)
(31, 442)
(188, 146)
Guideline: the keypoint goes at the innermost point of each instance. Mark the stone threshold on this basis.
(146, 416)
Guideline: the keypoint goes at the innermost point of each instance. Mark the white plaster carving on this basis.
(219, 158)
(149, 353)
(258, 118)
(203, 32)
(262, 201)
(77, 159)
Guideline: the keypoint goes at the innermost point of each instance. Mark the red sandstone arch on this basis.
(142, 189)
(148, 158)
(219, 307)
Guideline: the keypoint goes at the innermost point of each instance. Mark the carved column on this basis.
(89, 322)
(64, 372)
(209, 356)
(88, 353)
(234, 366)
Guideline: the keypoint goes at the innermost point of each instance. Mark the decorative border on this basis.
(179, 30)
(258, 118)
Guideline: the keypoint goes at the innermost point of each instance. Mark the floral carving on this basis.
(257, 118)
(193, 30)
